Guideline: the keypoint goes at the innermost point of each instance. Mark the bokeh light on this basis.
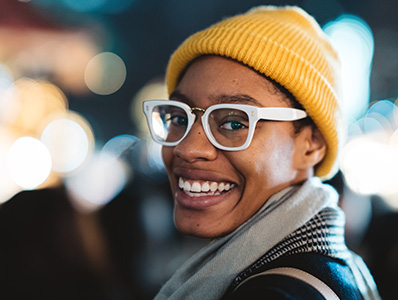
(6, 82)
(155, 89)
(386, 109)
(28, 162)
(100, 180)
(56, 55)
(68, 144)
(10, 104)
(369, 161)
(34, 101)
(87, 6)
(105, 73)
(84, 6)
(370, 167)
(154, 156)
(121, 144)
(353, 40)
(394, 138)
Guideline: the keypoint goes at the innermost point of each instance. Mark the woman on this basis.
(252, 124)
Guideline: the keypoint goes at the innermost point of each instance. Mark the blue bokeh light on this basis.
(353, 40)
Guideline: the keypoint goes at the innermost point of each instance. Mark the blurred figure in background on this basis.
(49, 250)
(252, 126)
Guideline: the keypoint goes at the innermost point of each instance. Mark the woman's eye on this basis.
(233, 125)
(178, 120)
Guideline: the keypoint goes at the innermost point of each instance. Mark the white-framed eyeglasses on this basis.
(227, 126)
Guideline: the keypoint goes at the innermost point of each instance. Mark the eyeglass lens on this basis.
(229, 127)
(169, 123)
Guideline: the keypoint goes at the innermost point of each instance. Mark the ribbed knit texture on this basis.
(287, 45)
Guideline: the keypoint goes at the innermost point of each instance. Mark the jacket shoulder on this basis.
(333, 272)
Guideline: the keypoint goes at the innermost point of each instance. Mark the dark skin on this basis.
(277, 157)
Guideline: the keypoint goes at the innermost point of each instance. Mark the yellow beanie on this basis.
(287, 45)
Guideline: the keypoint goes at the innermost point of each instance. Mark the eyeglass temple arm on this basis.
(281, 113)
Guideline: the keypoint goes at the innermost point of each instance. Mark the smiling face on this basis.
(216, 191)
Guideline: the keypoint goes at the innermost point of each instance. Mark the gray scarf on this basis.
(208, 273)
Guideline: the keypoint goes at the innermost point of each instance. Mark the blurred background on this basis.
(85, 207)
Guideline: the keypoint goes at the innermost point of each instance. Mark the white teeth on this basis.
(205, 187)
(213, 186)
(196, 189)
(187, 186)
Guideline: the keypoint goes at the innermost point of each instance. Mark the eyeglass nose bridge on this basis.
(197, 109)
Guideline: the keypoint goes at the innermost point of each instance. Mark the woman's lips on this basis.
(200, 194)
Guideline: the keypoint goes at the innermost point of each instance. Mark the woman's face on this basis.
(245, 179)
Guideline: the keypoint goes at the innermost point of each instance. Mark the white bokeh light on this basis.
(68, 144)
(369, 166)
(99, 181)
(28, 162)
(105, 73)
(369, 161)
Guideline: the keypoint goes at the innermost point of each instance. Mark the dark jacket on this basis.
(318, 248)
(333, 272)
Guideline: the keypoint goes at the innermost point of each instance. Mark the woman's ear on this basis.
(310, 148)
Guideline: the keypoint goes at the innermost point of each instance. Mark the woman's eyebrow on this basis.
(223, 98)
(176, 95)
(237, 98)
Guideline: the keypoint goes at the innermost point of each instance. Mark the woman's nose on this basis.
(196, 146)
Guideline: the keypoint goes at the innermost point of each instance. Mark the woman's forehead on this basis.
(215, 79)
